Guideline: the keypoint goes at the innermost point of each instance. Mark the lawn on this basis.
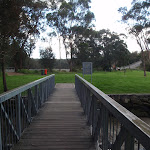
(108, 82)
(113, 82)
(118, 82)
(16, 81)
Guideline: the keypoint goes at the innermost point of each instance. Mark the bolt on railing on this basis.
(17, 108)
(113, 127)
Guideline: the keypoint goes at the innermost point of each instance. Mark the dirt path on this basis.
(14, 74)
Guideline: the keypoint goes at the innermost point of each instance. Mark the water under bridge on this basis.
(45, 116)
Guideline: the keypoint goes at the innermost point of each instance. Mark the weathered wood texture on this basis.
(60, 124)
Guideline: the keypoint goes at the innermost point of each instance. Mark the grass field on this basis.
(118, 82)
(16, 81)
(108, 82)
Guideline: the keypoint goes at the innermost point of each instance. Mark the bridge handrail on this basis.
(135, 126)
(19, 106)
(7, 95)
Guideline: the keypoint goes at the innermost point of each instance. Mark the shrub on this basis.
(26, 71)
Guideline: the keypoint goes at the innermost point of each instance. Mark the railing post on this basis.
(0, 128)
(129, 142)
(36, 98)
(29, 104)
(19, 115)
(40, 94)
(105, 128)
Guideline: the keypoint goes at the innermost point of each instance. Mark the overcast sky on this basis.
(107, 17)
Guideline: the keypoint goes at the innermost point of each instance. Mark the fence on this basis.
(17, 108)
(112, 126)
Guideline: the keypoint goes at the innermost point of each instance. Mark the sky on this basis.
(106, 17)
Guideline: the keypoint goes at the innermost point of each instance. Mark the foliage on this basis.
(65, 17)
(61, 64)
(103, 48)
(26, 71)
(19, 23)
(138, 19)
(47, 58)
(134, 57)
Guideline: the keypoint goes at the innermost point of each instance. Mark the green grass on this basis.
(65, 77)
(108, 82)
(16, 81)
(118, 82)
(113, 82)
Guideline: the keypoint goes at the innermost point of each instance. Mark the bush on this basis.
(147, 65)
(26, 71)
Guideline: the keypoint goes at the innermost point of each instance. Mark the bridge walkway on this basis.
(59, 124)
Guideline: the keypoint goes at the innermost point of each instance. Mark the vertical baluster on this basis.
(19, 115)
(8, 137)
(23, 116)
(15, 117)
(1, 128)
(29, 104)
(6, 126)
(36, 98)
(110, 129)
(47, 82)
(40, 94)
(129, 142)
(94, 116)
(105, 128)
(22, 120)
(138, 145)
(11, 118)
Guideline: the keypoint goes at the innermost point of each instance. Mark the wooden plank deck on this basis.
(60, 124)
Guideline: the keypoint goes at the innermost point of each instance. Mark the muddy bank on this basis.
(138, 104)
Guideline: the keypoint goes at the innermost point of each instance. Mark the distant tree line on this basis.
(138, 20)
(21, 22)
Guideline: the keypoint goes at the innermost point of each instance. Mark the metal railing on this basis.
(112, 126)
(17, 108)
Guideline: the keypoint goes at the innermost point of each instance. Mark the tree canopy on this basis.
(47, 58)
(104, 48)
(19, 21)
(138, 19)
(66, 16)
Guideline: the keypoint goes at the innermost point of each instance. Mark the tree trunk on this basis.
(144, 68)
(16, 67)
(4, 76)
(71, 60)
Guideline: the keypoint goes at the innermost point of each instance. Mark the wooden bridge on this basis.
(45, 116)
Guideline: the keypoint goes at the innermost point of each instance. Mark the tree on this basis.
(69, 14)
(19, 19)
(113, 50)
(139, 15)
(134, 57)
(86, 46)
(103, 48)
(47, 58)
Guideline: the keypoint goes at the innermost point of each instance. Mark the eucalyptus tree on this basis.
(47, 58)
(66, 15)
(19, 20)
(104, 48)
(86, 46)
(138, 20)
(113, 50)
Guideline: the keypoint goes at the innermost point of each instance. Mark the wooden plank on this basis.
(60, 124)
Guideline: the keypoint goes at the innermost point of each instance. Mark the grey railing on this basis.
(17, 108)
(112, 126)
